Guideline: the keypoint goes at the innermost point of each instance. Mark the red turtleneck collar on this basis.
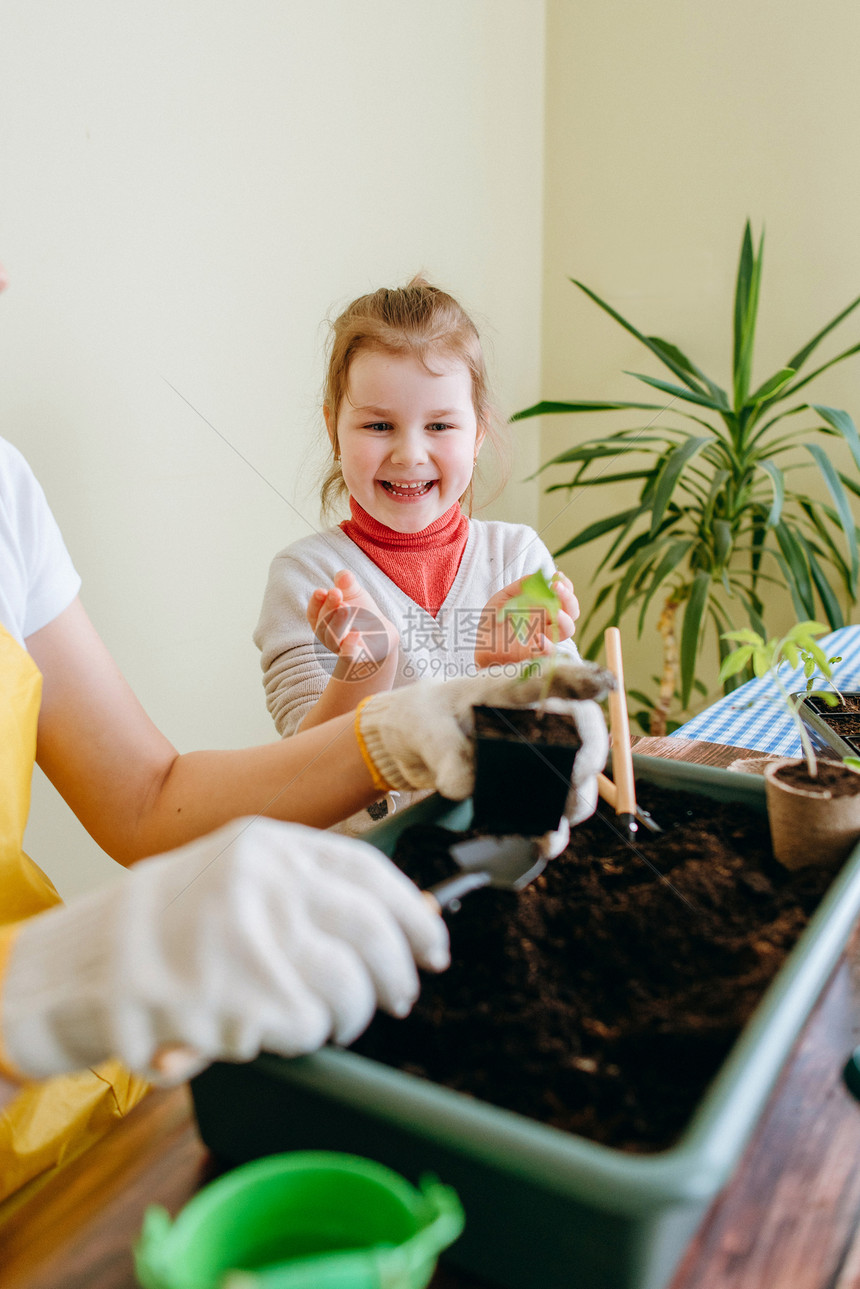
(423, 564)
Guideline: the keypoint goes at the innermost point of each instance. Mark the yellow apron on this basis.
(48, 1123)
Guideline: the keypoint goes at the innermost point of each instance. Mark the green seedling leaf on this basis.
(768, 656)
(735, 662)
(536, 596)
(535, 593)
(792, 654)
(744, 636)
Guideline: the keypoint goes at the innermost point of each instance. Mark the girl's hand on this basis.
(346, 620)
(505, 639)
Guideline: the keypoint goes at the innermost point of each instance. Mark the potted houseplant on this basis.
(717, 522)
(813, 805)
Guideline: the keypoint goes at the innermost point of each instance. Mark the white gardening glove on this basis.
(421, 736)
(261, 935)
(590, 759)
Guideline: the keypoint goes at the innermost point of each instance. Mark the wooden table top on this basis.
(789, 1219)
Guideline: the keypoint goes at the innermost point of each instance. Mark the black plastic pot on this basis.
(836, 728)
(523, 763)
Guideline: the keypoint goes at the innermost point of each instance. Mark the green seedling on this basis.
(536, 597)
(768, 656)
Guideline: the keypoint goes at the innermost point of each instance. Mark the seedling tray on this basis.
(836, 729)
(545, 1209)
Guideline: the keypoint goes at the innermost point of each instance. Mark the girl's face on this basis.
(408, 437)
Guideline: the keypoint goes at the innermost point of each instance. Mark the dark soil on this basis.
(851, 704)
(526, 724)
(833, 777)
(604, 997)
(846, 724)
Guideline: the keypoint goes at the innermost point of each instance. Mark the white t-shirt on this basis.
(37, 577)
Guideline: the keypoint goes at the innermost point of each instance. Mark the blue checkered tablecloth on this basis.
(753, 716)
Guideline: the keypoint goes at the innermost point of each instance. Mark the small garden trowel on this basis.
(508, 863)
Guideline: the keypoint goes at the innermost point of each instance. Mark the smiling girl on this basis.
(408, 586)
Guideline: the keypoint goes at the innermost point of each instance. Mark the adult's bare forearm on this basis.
(317, 778)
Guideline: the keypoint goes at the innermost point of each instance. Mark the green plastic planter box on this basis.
(544, 1209)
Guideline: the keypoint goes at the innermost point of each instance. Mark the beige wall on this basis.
(667, 125)
(187, 190)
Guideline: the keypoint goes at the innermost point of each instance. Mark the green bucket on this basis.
(303, 1220)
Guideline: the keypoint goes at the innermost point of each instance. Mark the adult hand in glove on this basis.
(261, 935)
(421, 736)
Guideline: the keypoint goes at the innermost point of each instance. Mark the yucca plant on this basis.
(721, 513)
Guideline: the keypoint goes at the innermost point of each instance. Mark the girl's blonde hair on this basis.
(419, 320)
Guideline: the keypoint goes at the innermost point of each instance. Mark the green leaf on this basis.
(792, 654)
(691, 632)
(661, 350)
(805, 632)
(688, 395)
(535, 593)
(753, 607)
(813, 375)
(595, 450)
(778, 480)
(630, 550)
(666, 350)
(536, 596)
(722, 531)
(637, 569)
(669, 475)
(831, 605)
(849, 483)
(670, 561)
(843, 509)
(742, 290)
(771, 387)
(599, 529)
(715, 490)
(844, 425)
(580, 482)
(796, 572)
(746, 312)
(549, 408)
(673, 352)
(802, 354)
(745, 636)
(735, 662)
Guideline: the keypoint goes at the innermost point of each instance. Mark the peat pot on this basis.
(812, 821)
(545, 1209)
